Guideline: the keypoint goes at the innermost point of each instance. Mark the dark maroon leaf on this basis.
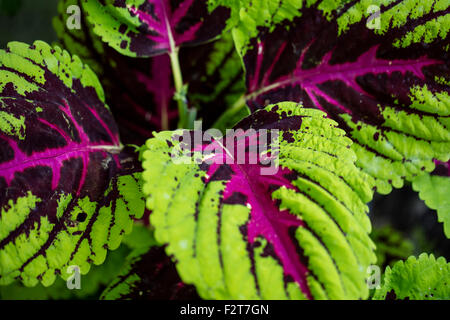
(68, 190)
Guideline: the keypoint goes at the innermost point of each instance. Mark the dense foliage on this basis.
(305, 109)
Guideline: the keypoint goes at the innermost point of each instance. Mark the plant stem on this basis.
(164, 119)
(180, 89)
(235, 108)
(239, 103)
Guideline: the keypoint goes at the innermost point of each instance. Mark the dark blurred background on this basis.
(404, 212)
(27, 20)
(402, 224)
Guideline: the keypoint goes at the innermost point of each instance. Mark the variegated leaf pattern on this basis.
(140, 90)
(384, 77)
(93, 283)
(68, 189)
(152, 27)
(421, 278)
(238, 231)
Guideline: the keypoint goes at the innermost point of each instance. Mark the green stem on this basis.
(180, 90)
(237, 106)
(239, 103)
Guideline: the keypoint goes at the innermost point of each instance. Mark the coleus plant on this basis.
(327, 105)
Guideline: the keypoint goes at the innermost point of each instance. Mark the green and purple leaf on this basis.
(140, 90)
(93, 283)
(68, 190)
(387, 85)
(151, 27)
(242, 230)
